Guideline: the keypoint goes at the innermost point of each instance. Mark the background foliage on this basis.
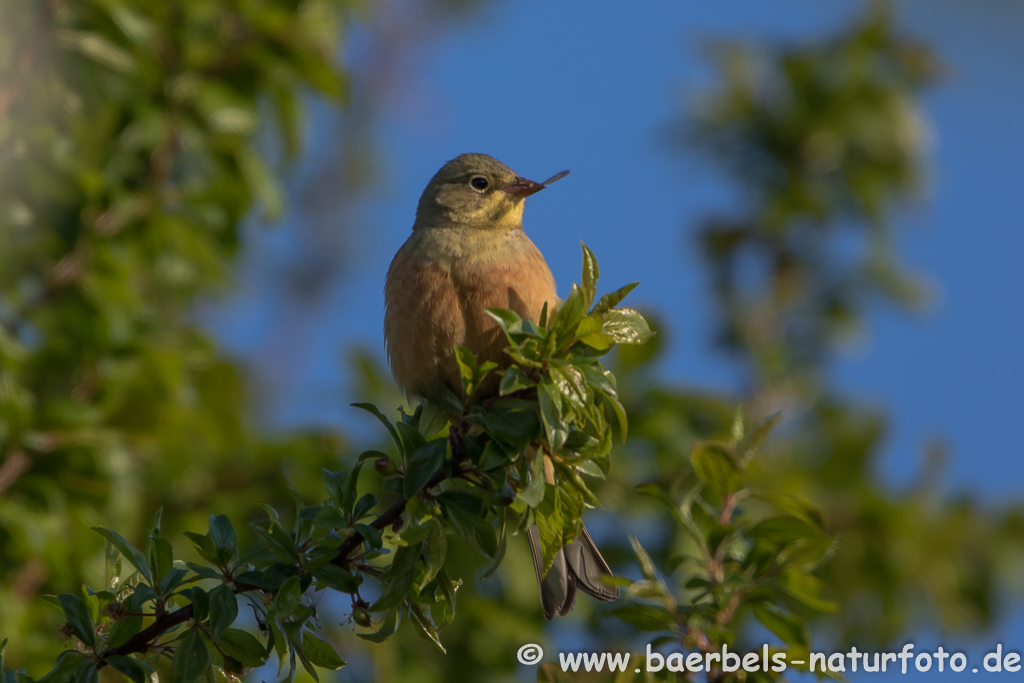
(135, 138)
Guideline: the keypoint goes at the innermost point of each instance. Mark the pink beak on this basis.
(523, 187)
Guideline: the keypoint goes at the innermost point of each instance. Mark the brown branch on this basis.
(398, 507)
(140, 642)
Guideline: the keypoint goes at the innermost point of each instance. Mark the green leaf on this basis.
(550, 401)
(646, 617)
(431, 419)
(533, 494)
(497, 456)
(191, 659)
(784, 530)
(175, 578)
(363, 506)
(808, 589)
(398, 579)
(123, 630)
(467, 368)
(321, 653)
(86, 673)
(277, 540)
(204, 546)
(288, 599)
(271, 513)
(78, 617)
(789, 628)
(223, 610)
(611, 300)
(373, 410)
(436, 550)
(550, 526)
(348, 502)
(471, 371)
(626, 326)
(130, 552)
(448, 588)
(589, 276)
(222, 531)
(242, 646)
(447, 401)
(370, 534)
(420, 614)
(568, 317)
(200, 602)
(161, 558)
(757, 435)
(333, 576)
(296, 638)
(423, 464)
(67, 662)
(514, 380)
(642, 556)
(714, 466)
(334, 482)
(130, 667)
(470, 526)
(590, 333)
(599, 379)
(411, 438)
(570, 383)
(499, 554)
(620, 414)
(512, 421)
(798, 506)
(277, 641)
(505, 318)
(203, 571)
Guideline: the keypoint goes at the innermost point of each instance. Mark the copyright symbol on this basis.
(530, 653)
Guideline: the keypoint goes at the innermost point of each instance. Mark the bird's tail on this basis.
(577, 565)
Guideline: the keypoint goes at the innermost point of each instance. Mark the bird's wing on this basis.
(422, 323)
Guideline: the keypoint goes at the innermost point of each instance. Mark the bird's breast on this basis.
(437, 290)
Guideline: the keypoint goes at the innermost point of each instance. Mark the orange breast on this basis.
(434, 303)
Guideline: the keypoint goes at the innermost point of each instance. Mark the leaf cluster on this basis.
(747, 553)
(134, 138)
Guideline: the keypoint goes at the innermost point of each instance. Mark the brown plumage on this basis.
(437, 289)
(468, 252)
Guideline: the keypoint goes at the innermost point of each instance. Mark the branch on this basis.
(387, 518)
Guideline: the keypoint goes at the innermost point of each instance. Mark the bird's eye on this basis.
(478, 183)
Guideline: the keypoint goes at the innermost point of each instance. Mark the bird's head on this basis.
(476, 191)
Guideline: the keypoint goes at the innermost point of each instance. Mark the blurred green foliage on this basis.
(827, 142)
(824, 141)
(128, 160)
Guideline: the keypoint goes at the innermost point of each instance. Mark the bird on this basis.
(468, 252)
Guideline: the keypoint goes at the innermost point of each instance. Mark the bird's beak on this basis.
(523, 188)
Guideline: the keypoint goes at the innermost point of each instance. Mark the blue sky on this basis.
(548, 86)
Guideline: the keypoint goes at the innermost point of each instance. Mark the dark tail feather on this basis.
(587, 566)
(577, 564)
